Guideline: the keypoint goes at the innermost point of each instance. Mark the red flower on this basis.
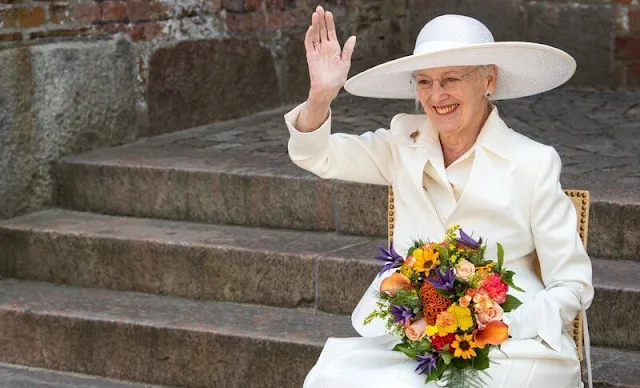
(495, 288)
(440, 342)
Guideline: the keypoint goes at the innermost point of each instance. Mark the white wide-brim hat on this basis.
(524, 68)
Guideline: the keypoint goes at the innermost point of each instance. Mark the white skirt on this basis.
(369, 362)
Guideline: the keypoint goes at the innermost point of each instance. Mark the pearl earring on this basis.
(487, 93)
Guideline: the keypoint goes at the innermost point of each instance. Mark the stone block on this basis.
(382, 29)
(246, 198)
(162, 257)
(344, 276)
(361, 209)
(614, 231)
(292, 63)
(197, 82)
(506, 19)
(161, 340)
(18, 376)
(584, 31)
(56, 100)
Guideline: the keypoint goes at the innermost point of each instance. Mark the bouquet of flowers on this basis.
(445, 301)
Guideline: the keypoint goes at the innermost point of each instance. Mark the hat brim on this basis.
(524, 69)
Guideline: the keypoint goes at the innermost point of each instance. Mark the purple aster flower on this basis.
(467, 241)
(402, 314)
(427, 363)
(390, 257)
(444, 280)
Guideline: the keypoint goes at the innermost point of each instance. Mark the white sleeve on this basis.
(564, 264)
(367, 158)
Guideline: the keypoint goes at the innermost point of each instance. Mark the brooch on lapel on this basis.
(414, 135)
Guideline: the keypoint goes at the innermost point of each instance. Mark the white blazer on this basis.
(513, 196)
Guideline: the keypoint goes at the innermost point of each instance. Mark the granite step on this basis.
(158, 339)
(284, 268)
(19, 376)
(615, 368)
(238, 172)
(172, 341)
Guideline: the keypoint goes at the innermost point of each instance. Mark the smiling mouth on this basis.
(446, 109)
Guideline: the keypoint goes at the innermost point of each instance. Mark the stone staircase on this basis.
(205, 258)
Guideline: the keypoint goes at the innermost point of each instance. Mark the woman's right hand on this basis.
(328, 64)
(328, 68)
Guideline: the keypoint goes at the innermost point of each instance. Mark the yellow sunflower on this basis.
(464, 346)
(426, 259)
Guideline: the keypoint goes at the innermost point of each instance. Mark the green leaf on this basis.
(407, 350)
(510, 304)
(446, 357)
(460, 363)
(437, 371)
(500, 257)
(481, 360)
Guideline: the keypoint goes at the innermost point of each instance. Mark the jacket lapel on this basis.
(493, 154)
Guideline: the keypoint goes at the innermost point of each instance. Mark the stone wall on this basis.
(76, 75)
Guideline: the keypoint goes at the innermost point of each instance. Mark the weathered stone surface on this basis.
(238, 171)
(292, 63)
(18, 376)
(198, 261)
(203, 186)
(198, 82)
(161, 340)
(613, 230)
(585, 31)
(57, 100)
(617, 297)
(381, 28)
(283, 268)
(181, 342)
(344, 276)
(506, 19)
(613, 368)
(361, 209)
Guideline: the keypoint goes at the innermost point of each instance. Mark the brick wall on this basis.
(627, 42)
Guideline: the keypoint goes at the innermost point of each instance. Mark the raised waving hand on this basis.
(328, 63)
(328, 68)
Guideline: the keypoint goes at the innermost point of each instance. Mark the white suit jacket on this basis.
(513, 196)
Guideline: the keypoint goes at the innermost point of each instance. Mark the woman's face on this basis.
(453, 97)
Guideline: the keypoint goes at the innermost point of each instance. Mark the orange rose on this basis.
(494, 313)
(417, 330)
(464, 301)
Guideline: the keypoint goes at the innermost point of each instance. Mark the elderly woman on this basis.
(458, 163)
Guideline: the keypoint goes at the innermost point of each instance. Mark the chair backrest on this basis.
(581, 202)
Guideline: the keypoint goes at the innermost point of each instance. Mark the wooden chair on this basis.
(581, 202)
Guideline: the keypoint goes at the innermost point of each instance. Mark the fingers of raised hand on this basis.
(349, 46)
(323, 24)
(322, 31)
(309, 40)
(331, 27)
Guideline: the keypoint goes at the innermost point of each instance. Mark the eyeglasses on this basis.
(446, 84)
